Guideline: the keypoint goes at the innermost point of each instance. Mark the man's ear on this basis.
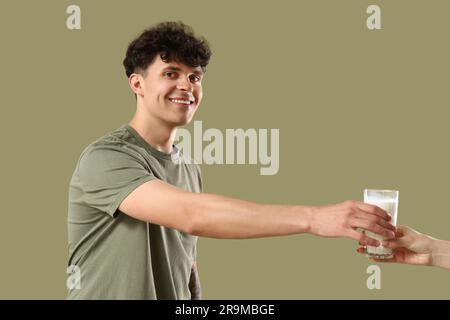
(135, 80)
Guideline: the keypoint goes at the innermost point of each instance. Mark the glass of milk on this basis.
(388, 201)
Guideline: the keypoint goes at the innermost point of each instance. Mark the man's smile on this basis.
(182, 101)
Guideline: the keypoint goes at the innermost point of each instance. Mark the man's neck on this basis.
(156, 134)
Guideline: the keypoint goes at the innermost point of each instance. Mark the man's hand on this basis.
(343, 219)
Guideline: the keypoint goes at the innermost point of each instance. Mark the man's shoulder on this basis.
(117, 137)
(114, 143)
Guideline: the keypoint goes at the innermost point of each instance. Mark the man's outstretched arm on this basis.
(216, 216)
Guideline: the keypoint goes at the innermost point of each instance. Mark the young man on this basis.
(136, 206)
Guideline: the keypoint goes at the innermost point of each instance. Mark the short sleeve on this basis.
(108, 174)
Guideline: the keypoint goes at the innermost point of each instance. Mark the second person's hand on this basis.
(409, 246)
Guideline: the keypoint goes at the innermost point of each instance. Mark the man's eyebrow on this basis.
(174, 68)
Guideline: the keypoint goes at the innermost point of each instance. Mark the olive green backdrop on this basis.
(355, 109)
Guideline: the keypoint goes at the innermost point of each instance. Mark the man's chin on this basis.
(182, 122)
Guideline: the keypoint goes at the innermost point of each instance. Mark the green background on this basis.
(356, 109)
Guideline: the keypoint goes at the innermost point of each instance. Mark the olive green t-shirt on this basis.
(119, 257)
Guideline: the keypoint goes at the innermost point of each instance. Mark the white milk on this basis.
(390, 206)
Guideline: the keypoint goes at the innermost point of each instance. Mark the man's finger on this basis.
(376, 219)
(373, 227)
(387, 225)
(372, 209)
(363, 239)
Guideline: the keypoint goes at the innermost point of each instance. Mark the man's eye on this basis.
(195, 78)
(170, 74)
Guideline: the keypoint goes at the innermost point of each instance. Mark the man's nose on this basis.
(185, 84)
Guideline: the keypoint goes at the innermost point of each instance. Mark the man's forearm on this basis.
(217, 216)
(441, 253)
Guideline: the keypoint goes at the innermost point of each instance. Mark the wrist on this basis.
(440, 256)
(309, 217)
(430, 248)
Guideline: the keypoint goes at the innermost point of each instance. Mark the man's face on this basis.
(171, 91)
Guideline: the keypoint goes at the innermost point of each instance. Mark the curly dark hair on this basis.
(173, 41)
